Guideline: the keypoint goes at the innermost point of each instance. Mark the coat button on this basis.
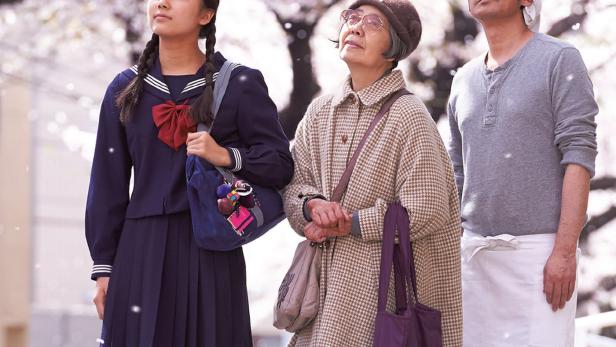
(352, 100)
(344, 139)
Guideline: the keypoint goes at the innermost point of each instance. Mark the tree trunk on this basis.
(305, 85)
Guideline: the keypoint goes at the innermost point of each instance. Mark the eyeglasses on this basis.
(370, 22)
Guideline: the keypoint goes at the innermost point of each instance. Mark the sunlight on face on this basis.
(487, 10)
(173, 18)
(361, 44)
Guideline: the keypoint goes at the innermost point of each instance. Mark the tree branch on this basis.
(603, 183)
(566, 24)
(597, 222)
(599, 67)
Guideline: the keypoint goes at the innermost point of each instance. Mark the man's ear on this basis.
(525, 3)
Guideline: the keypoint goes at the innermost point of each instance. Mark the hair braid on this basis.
(201, 110)
(129, 97)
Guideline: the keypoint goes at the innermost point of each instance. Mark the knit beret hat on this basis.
(402, 16)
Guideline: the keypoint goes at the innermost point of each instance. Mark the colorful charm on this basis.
(223, 190)
(225, 206)
(248, 201)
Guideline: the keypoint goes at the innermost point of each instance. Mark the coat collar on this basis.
(377, 91)
(155, 81)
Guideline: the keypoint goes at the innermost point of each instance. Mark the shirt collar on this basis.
(155, 81)
(377, 91)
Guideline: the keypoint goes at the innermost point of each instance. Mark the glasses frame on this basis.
(369, 22)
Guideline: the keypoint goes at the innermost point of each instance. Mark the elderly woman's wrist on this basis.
(355, 225)
(305, 208)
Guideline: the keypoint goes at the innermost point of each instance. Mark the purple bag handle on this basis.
(400, 256)
(407, 261)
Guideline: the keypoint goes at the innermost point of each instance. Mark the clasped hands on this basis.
(329, 219)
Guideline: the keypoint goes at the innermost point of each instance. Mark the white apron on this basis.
(502, 293)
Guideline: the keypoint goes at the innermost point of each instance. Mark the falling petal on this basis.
(99, 58)
(52, 127)
(61, 117)
(10, 17)
(93, 114)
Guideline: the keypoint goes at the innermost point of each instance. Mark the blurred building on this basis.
(15, 201)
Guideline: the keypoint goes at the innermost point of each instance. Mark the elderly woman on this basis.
(403, 160)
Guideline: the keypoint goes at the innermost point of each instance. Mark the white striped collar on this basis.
(162, 86)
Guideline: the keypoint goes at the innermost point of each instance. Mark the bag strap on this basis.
(346, 175)
(387, 256)
(400, 256)
(220, 88)
(406, 247)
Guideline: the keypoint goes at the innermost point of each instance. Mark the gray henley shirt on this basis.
(514, 130)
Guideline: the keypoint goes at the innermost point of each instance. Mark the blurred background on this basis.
(57, 57)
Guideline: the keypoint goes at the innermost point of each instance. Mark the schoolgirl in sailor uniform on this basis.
(155, 287)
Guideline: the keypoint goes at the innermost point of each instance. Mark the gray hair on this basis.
(397, 48)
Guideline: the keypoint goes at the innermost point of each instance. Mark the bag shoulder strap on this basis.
(220, 88)
(346, 175)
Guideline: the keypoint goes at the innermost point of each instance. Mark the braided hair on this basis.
(201, 109)
(129, 97)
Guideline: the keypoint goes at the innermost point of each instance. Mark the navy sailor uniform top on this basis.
(247, 125)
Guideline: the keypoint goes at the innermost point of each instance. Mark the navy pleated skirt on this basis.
(165, 291)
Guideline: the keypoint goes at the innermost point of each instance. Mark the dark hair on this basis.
(128, 98)
(201, 107)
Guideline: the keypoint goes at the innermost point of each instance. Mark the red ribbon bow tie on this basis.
(173, 123)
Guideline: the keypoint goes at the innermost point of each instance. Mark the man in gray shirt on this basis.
(523, 146)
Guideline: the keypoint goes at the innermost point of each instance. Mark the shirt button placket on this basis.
(490, 117)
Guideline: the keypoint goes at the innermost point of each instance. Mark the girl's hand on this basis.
(101, 295)
(203, 145)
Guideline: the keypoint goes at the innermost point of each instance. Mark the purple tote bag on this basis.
(413, 324)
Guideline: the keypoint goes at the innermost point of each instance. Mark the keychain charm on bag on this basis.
(226, 211)
(234, 202)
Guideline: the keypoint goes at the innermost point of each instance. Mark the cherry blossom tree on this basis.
(48, 44)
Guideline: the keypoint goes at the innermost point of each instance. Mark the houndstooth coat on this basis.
(404, 159)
